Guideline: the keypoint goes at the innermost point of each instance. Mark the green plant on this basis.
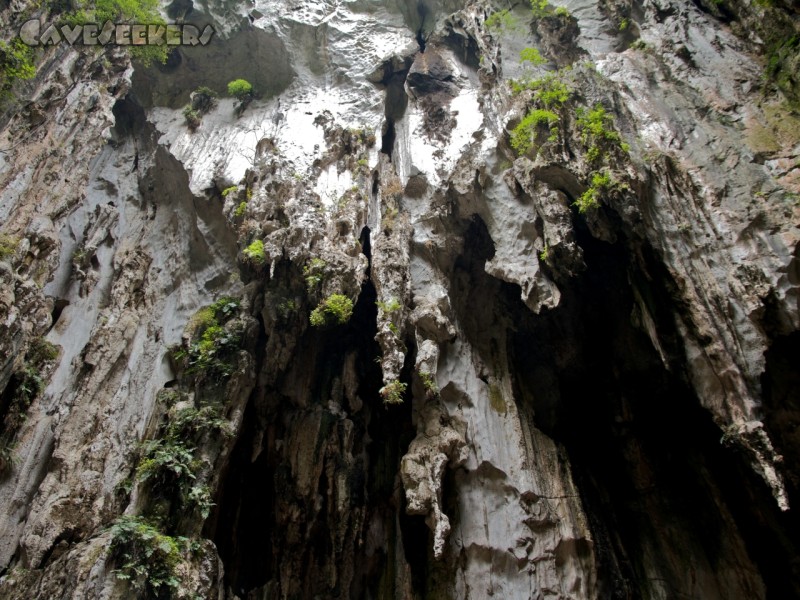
(230, 190)
(287, 308)
(203, 99)
(313, 272)
(211, 344)
(25, 385)
(255, 252)
(641, 45)
(240, 210)
(562, 11)
(16, 63)
(428, 382)
(192, 117)
(523, 136)
(240, 89)
(589, 200)
(544, 254)
(392, 392)
(165, 461)
(169, 465)
(8, 246)
(147, 558)
(123, 11)
(41, 351)
(533, 56)
(389, 218)
(550, 90)
(206, 91)
(335, 309)
(391, 306)
(540, 8)
(502, 20)
(623, 24)
(596, 127)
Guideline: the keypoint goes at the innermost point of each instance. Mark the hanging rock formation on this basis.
(463, 301)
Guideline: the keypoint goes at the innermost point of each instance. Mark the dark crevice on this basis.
(256, 527)
(395, 108)
(129, 117)
(422, 12)
(653, 477)
(58, 307)
(387, 139)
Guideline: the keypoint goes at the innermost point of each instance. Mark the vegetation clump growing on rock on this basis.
(393, 391)
(523, 136)
(240, 89)
(24, 386)
(601, 183)
(335, 309)
(596, 130)
(313, 272)
(8, 246)
(255, 252)
(148, 559)
(212, 345)
(16, 63)
(502, 20)
(123, 11)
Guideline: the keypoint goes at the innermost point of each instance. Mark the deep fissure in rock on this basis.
(669, 506)
(252, 528)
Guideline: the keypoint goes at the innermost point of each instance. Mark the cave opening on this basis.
(252, 525)
(672, 510)
(396, 103)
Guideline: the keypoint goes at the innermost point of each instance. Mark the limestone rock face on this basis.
(464, 301)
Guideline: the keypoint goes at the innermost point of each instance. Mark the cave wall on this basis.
(569, 371)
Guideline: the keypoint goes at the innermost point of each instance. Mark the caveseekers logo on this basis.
(120, 34)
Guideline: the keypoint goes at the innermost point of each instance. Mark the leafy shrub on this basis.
(212, 345)
(502, 20)
(16, 63)
(335, 309)
(540, 8)
(392, 305)
(549, 90)
(596, 127)
(240, 89)
(192, 117)
(428, 382)
(533, 56)
(123, 11)
(26, 384)
(148, 559)
(168, 463)
(203, 99)
(165, 461)
(523, 136)
(41, 351)
(240, 210)
(393, 392)
(8, 246)
(313, 273)
(640, 44)
(589, 200)
(255, 252)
